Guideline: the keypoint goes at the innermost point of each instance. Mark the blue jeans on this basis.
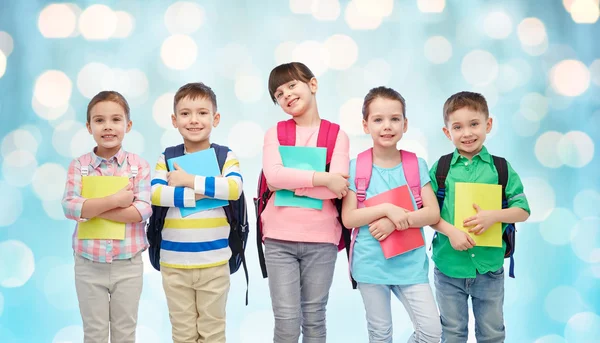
(418, 302)
(487, 295)
(300, 275)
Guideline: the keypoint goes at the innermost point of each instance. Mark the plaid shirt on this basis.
(135, 234)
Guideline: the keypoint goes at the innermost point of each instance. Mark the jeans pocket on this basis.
(498, 274)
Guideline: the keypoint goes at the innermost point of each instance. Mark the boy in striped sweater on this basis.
(195, 251)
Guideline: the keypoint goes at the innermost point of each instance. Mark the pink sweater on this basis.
(302, 224)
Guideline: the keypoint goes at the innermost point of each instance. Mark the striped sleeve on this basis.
(225, 187)
(72, 201)
(168, 196)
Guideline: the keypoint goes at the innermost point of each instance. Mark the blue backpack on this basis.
(501, 165)
(236, 213)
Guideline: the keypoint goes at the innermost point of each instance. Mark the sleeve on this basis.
(141, 186)
(278, 175)
(515, 194)
(339, 164)
(228, 187)
(168, 196)
(423, 172)
(72, 201)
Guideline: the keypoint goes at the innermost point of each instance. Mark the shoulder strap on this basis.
(221, 151)
(442, 170)
(502, 169)
(286, 132)
(327, 137)
(133, 161)
(364, 168)
(173, 151)
(410, 166)
(85, 161)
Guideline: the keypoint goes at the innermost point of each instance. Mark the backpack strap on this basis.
(327, 137)
(133, 161)
(364, 168)
(502, 169)
(173, 151)
(509, 235)
(410, 166)
(441, 173)
(286, 132)
(85, 162)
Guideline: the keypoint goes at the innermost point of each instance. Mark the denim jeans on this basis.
(487, 295)
(300, 275)
(418, 302)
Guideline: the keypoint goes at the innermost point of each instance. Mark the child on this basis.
(462, 269)
(108, 272)
(194, 252)
(300, 243)
(405, 275)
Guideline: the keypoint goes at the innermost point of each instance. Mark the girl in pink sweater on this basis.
(301, 243)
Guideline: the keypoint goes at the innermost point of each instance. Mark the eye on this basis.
(278, 95)
(98, 120)
(292, 85)
(117, 119)
(377, 120)
(396, 119)
(456, 127)
(184, 113)
(474, 124)
(203, 113)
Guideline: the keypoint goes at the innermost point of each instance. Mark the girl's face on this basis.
(108, 125)
(296, 97)
(386, 123)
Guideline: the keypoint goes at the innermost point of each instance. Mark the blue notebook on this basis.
(303, 158)
(203, 163)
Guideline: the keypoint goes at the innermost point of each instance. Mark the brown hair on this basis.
(193, 91)
(113, 96)
(471, 100)
(382, 92)
(285, 73)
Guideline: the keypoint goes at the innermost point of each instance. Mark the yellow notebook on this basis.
(98, 187)
(487, 197)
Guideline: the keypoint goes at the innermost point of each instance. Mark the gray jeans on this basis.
(300, 275)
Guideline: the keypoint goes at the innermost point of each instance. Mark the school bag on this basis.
(509, 234)
(236, 212)
(364, 169)
(286, 134)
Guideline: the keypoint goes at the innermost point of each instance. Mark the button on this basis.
(466, 163)
(472, 255)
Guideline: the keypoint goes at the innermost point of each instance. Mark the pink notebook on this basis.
(403, 241)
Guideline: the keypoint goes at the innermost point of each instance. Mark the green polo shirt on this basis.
(481, 169)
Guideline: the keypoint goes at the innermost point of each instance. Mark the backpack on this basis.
(236, 213)
(501, 166)
(286, 134)
(364, 168)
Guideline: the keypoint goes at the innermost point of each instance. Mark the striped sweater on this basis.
(199, 240)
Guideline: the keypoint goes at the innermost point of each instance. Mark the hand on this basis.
(481, 221)
(200, 196)
(381, 228)
(124, 197)
(338, 184)
(179, 178)
(398, 216)
(272, 188)
(460, 240)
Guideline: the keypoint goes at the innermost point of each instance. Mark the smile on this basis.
(292, 102)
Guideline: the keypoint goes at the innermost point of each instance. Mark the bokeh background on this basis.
(536, 61)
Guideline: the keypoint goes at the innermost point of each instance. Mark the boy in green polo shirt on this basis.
(462, 269)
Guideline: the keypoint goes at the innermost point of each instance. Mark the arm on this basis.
(339, 164)
(226, 187)
(277, 175)
(357, 217)
(168, 196)
(140, 210)
(429, 213)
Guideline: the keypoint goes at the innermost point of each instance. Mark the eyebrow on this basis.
(187, 109)
(108, 115)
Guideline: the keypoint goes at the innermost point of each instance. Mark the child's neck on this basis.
(386, 157)
(106, 153)
(469, 155)
(191, 147)
(309, 118)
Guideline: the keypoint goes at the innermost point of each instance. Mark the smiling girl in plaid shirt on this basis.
(108, 273)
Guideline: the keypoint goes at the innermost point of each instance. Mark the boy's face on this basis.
(195, 119)
(386, 123)
(467, 130)
(108, 125)
(296, 97)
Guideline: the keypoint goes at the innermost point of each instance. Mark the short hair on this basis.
(193, 91)
(471, 100)
(287, 72)
(382, 92)
(113, 96)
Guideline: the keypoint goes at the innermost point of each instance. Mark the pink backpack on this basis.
(286, 134)
(364, 168)
(132, 160)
